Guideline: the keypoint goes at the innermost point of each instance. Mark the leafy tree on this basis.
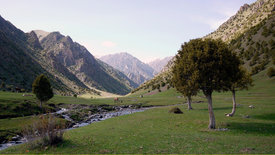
(240, 80)
(42, 89)
(183, 78)
(209, 67)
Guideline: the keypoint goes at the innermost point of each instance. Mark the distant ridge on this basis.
(159, 64)
(41, 34)
(131, 66)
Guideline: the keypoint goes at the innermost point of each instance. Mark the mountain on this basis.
(247, 17)
(18, 68)
(117, 74)
(250, 33)
(159, 64)
(70, 67)
(256, 47)
(76, 59)
(135, 70)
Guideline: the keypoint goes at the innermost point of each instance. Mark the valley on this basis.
(56, 97)
(186, 133)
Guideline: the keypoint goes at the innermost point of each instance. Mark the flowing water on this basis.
(92, 119)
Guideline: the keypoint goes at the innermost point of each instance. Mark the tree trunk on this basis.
(211, 113)
(234, 104)
(41, 104)
(189, 100)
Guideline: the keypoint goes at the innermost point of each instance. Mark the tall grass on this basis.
(45, 131)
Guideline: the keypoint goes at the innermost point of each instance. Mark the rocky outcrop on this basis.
(135, 70)
(247, 17)
(75, 61)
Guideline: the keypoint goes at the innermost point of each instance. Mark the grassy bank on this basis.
(157, 131)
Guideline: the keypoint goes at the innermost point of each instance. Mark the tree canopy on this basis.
(41, 87)
(207, 65)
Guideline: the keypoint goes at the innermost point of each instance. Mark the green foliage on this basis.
(158, 86)
(266, 31)
(270, 72)
(165, 130)
(241, 80)
(184, 78)
(42, 89)
(206, 64)
(163, 84)
(256, 69)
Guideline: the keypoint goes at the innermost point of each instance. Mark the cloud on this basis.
(108, 44)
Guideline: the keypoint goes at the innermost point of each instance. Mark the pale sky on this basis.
(147, 29)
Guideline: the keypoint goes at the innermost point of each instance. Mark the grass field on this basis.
(157, 131)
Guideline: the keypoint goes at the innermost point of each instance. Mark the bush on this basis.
(163, 84)
(75, 95)
(47, 130)
(270, 72)
(175, 110)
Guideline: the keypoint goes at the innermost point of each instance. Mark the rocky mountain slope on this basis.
(132, 67)
(256, 47)
(18, 68)
(250, 33)
(159, 64)
(67, 55)
(70, 66)
(247, 17)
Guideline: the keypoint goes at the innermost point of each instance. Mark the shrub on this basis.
(270, 72)
(175, 110)
(46, 130)
(163, 84)
(75, 95)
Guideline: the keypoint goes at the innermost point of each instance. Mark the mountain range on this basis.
(159, 64)
(132, 67)
(70, 67)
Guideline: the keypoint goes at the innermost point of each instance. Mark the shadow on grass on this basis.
(270, 116)
(66, 144)
(218, 108)
(254, 128)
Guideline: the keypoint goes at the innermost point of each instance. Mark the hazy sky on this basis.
(147, 29)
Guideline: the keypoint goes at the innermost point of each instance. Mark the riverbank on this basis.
(102, 114)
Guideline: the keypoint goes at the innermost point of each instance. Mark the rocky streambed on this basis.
(82, 115)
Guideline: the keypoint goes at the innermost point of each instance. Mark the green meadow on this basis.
(251, 130)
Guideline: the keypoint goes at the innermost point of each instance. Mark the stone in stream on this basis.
(15, 138)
